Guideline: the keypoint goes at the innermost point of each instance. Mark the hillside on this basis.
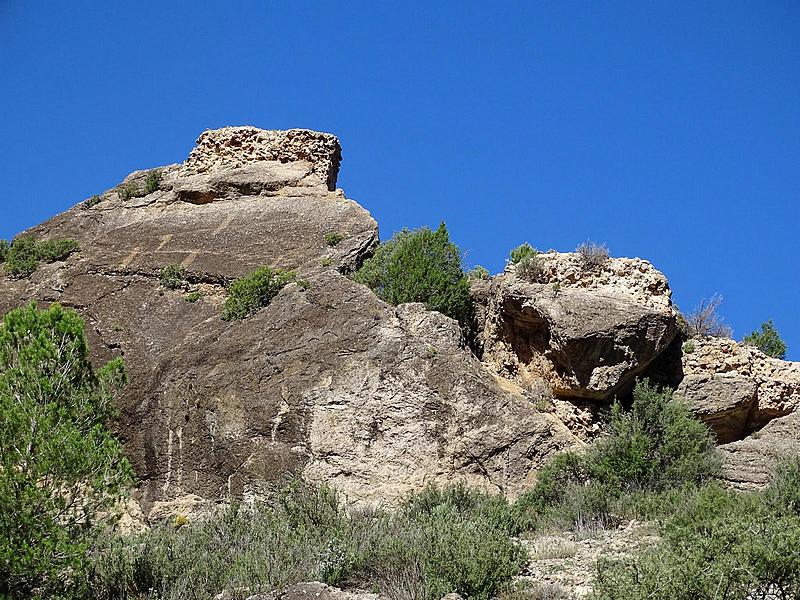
(330, 384)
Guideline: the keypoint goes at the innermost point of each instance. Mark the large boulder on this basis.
(749, 464)
(736, 388)
(327, 382)
(588, 332)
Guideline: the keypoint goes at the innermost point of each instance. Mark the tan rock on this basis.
(777, 382)
(588, 333)
(328, 382)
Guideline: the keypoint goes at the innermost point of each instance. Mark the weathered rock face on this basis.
(328, 382)
(587, 333)
(737, 387)
(748, 464)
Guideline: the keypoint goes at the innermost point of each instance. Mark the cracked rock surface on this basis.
(329, 382)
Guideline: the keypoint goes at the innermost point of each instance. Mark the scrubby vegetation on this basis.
(333, 238)
(420, 266)
(655, 446)
(172, 276)
(528, 264)
(768, 340)
(521, 252)
(59, 465)
(705, 320)
(719, 544)
(478, 272)
(593, 257)
(3, 250)
(152, 181)
(437, 542)
(248, 294)
(193, 297)
(93, 201)
(25, 253)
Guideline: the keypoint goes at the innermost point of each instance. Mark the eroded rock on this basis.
(327, 381)
(587, 333)
(725, 372)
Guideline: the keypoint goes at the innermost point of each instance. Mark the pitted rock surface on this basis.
(776, 382)
(588, 334)
(327, 382)
(234, 147)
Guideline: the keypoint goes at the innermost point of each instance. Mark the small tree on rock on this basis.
(420, 266)
(768, 340)
(705, 321)
(60, 467)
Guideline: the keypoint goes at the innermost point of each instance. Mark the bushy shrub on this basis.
(93, 201)
(127, 191)
(655, 446)
(420, 266)
(478, 272)
(431, 546)
(3, 250)
(60, 468)
(522, 251)
(152, 181)
(193, 297)
(768, 340)
(25, 253)
(718, 544)
(172, 276)
(530, 269)
(593, 257)
(687, 347)
(333, 238)
(248, 294)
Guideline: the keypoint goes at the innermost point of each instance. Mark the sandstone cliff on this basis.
(332, 384)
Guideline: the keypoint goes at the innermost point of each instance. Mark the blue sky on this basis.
(668, 130)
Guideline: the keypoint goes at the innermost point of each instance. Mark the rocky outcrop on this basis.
(233, 147)
(748, 464)
(588, 333)
(736, 388)
(327, 381)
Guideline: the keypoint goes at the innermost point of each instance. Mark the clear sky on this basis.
(668, 130)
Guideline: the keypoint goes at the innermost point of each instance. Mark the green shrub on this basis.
(193, 297)
(172, 276)
(768, 340)
(333, 238)
(434, 545)
(688, 347)
(478, 273)
(93, 201)
(719, 544)
(530, 268)
(3, 250)
(248, 294)
(128, 191)
(524, 250)
(60, 469)
(655, 446)
(25, 253)
(152, 181)
(593, 257)
(420, 266)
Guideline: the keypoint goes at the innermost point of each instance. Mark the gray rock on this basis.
(327, 382)
(748, 464)
(722, 401)
(588, 334)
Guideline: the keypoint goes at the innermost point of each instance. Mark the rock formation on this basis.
(588, 333)
(330, 383)
(741, 379)
(327, 382)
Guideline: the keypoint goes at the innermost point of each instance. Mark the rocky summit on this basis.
(330, 383)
